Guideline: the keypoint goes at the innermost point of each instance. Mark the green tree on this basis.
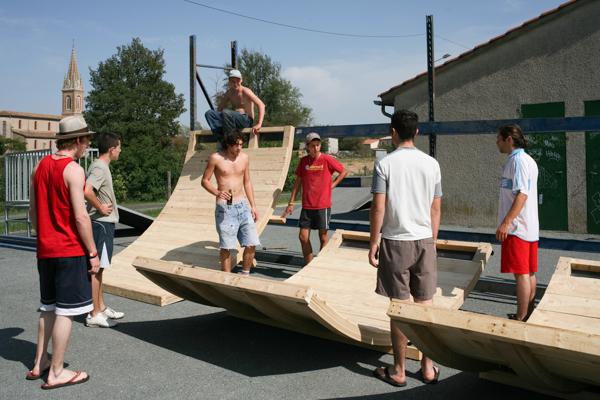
(129, 96)
(7, 144)
(281, 98)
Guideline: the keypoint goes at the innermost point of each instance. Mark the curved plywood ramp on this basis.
(332, 297)
(185, 229)
(556, 352)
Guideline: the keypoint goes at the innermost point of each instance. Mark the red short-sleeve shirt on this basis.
(316, 180)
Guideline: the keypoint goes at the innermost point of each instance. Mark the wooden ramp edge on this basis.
(556, 352)
(333, 297)
(185, 229)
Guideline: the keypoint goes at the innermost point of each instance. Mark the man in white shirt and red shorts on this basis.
(518, 224)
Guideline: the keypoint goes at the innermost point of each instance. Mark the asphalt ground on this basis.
(188, 350)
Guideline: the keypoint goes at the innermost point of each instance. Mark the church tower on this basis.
(72, 91)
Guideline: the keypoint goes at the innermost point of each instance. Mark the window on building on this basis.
(34, 125)
(78, 103)
(4, 128)
(35, 144)
(68, 103)
(48, 125)
(19, 124)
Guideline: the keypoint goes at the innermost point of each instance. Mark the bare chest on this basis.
(228, 168)
(237, 99)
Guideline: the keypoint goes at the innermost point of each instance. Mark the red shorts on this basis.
(518, 256)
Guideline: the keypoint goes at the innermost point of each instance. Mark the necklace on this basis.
(62, 155)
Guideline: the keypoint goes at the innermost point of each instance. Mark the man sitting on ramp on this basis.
(225, 121)
(235, 212)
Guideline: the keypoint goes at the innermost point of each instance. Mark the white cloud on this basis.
(342, 91)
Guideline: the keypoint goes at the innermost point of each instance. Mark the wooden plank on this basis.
(565, 304)
(565, 321)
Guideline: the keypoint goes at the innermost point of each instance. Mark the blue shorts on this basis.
(234, 223)
(65, 285)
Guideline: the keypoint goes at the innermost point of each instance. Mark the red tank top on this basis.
(56, 230)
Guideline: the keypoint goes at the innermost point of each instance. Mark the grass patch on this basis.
(152, 212)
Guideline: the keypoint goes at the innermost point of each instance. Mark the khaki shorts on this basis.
(407, 267)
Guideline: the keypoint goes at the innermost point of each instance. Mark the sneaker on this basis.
(99, 321)
(112, 314)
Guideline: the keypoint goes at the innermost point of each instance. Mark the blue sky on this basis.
(339, 77)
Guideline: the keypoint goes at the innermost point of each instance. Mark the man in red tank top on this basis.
(65, 250)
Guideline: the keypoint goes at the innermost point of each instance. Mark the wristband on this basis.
(92, 255)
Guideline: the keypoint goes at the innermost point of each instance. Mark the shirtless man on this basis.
(235, 211)
(225, 121)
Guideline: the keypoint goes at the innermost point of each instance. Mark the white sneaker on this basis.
(99, 321)
(112, 314)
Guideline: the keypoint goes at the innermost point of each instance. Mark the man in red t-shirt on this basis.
(314, 173)
(66, 251)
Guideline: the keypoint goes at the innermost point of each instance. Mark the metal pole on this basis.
(234, 60)
(193, 82)
(206, 95)
(214, 67)
(431, 80)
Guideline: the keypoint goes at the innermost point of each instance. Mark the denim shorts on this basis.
(234, 223)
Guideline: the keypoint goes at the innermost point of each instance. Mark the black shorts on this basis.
(104, 234)
(65, 285)
(315, 219)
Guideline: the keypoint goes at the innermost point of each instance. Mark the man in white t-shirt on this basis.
(518, 225)
(405, 213)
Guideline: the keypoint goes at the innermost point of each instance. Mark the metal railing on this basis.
(17, 174)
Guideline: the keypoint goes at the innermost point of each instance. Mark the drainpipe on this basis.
(380, 103)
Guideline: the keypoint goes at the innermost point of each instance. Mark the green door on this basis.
(550, 152)
(592, 168)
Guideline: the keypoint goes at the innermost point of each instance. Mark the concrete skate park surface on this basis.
(194, 351)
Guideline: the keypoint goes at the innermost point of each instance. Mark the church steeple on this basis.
(72, 91)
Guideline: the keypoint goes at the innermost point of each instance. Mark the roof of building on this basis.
(28, 115)
(34, 134)
(369, 141)
(482, 47)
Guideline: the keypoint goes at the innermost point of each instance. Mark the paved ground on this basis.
(187, 350)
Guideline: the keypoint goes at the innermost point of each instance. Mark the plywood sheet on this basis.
(185, 230)
(556, 351)
(331, 297)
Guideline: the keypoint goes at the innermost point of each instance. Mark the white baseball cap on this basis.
(234, 73)
(312, 136)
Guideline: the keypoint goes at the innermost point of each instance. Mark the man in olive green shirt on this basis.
(102, 207)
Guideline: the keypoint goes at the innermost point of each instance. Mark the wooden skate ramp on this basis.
(332, 297)
(185, 229)
(556, 352)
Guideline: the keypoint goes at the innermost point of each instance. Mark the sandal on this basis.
(386, 377)
(436, 376)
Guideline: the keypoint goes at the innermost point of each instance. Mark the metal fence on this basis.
(17, 174)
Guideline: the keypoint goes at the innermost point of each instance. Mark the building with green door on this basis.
(546, 67)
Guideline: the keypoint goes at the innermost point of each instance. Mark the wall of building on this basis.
(552, 62)
(31, 125)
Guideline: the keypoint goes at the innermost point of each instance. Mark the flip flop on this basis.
(435, 379)
(514, 317)
(70, 382)
(387, 378)
(32, 377)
